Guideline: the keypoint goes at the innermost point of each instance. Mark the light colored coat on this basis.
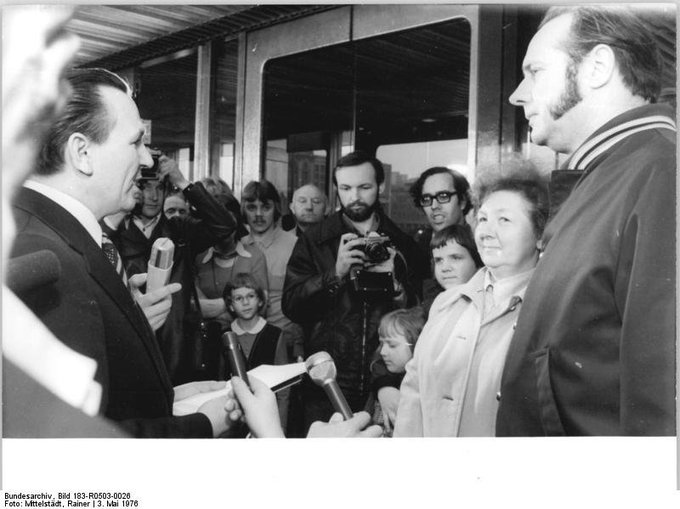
(437, 378)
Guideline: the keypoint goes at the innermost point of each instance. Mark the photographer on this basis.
(340, 281)
(210, 224)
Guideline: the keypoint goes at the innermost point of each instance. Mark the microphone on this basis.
(33, 270)
(321, 370)
(160, 264)
(237, 361)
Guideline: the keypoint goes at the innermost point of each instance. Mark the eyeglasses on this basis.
(441, 197)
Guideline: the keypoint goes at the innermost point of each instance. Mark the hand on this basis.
(169, 167)
(259, 407)
(348, 255)
(156, 305)
(337, 428)
(388, 397)
(223, 413)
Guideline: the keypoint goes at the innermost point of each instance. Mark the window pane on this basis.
(223, 128)
(167, 97)
(405, 92)
(404, 163)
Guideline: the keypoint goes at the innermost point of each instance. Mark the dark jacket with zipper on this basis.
(337, 319)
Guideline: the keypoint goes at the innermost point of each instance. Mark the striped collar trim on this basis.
(599, 144)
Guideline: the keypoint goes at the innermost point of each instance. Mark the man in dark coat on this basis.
(594, 348)
(87, 170)
(209, 224)
(327, 289)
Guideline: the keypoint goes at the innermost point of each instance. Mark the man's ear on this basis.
(381, 188)
(78, 153)
(599, 66)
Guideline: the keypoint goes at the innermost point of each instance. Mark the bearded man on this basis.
(339, 291)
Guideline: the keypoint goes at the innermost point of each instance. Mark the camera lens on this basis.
(377, 253)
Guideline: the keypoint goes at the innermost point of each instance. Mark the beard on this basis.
(361, 212)
(570, 96)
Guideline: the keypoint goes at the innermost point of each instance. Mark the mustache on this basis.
(357, 203)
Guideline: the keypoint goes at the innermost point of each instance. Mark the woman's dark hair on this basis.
(462, 235)
(460, 184)
(243, 280)
(404, 322)
(263, 191)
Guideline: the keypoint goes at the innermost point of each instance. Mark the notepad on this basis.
(275, 377)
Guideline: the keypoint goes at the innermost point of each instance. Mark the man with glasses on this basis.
(444, 196)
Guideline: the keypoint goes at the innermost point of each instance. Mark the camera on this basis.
(153, 172)
(375, 248)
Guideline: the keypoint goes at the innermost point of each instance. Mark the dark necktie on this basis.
(114, 257)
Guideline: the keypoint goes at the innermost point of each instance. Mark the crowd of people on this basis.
(509, 314)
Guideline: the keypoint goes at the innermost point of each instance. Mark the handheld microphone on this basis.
(31, 271)
(237, 361)
(321, 370)
(160, 264)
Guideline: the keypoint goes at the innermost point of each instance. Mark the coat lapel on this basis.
(96, 264)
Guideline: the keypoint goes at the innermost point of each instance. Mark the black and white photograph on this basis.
(427, 250)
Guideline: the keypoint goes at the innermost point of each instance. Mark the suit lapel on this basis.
(95, 262)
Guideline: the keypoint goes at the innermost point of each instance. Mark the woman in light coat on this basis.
(451, 384)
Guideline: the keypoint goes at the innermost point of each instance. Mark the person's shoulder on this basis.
(272, 329)
(329, 228)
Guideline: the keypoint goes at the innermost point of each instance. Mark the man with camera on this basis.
(344, 274)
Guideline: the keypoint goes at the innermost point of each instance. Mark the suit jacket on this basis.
(91, 311)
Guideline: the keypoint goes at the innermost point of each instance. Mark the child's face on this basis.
(453, 265)
(245, 302)
(395, 353)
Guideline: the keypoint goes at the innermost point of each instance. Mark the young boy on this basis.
(398, 332)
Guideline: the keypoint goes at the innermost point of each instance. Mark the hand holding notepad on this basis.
(275, 377)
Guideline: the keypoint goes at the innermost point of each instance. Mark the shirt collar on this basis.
(650, 116)
(147, 228)
(240, 251)
(265, 240)
(73, 206)
(240, 331)
(504, 289)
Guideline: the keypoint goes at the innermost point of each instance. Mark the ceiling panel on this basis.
(115, 36)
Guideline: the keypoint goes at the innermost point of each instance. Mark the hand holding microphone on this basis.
(155, 304)
(237, 361)
(321, 370)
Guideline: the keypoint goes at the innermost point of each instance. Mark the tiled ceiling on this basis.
(117, 36)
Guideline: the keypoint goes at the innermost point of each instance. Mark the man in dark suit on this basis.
(87, 170)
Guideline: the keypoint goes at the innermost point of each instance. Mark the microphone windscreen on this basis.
(162, 252)
(320, 367)
(32, 270)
